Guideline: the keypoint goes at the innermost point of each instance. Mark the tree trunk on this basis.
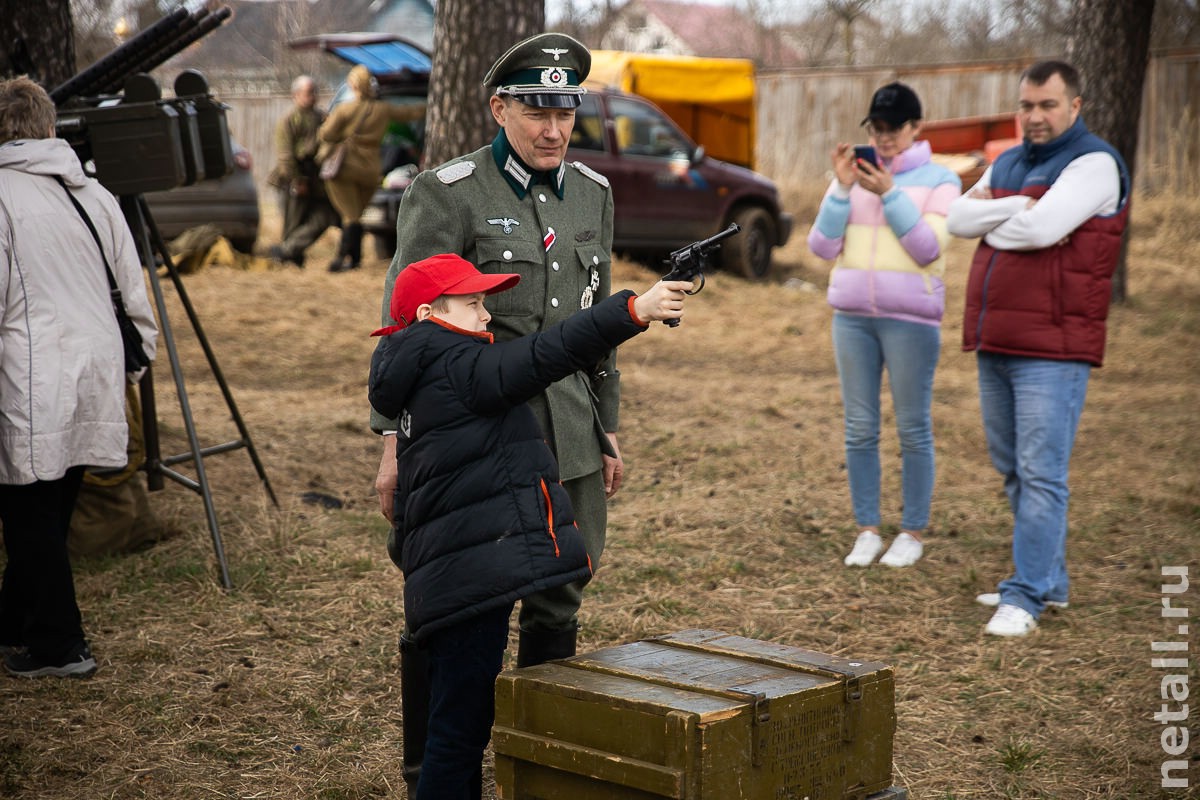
(37, 39)
(468, 36)
(1110, 46)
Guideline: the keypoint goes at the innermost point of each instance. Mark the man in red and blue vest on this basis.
(1051, 212)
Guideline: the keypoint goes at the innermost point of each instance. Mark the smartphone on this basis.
(866, 153)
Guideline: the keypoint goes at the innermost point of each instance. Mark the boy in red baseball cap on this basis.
(480, 519)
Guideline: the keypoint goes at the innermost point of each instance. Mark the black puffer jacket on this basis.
(481, 518)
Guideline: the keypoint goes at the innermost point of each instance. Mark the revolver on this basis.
(688, 262)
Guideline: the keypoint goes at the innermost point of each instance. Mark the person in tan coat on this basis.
(361, 124)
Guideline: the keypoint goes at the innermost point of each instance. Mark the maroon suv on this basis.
(667, 193)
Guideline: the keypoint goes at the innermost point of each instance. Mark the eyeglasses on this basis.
(877, 131)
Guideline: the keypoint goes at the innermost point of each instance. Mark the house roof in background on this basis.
(718, 31)
(255, 38)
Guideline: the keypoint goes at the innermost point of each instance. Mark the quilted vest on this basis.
(1050, 303)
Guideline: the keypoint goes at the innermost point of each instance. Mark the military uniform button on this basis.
(554, 266)
(595, 259)
(542, 197)
(554, 302)
(508, 255)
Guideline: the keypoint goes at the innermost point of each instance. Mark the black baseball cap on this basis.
(894, 104)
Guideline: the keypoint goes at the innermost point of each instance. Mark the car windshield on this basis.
(643, 131)
(588, 133)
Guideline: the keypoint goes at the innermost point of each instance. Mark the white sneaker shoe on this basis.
(1010, 620)
(905, 551)
(866, 547)
(992, 599)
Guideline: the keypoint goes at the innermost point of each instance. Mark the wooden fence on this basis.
(801, 113)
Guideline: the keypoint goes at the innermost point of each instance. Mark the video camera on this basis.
(139, 142)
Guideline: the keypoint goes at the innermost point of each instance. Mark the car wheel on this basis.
(749, 253)
(385, 246)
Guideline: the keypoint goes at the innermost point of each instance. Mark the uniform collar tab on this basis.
(519, 176)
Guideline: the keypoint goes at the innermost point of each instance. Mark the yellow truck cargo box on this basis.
(712, 99)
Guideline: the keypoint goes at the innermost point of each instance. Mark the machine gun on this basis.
(138, 142)
(689, 262)
(145, 51)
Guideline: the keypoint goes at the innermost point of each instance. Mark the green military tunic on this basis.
(488, 208)
(296, 146)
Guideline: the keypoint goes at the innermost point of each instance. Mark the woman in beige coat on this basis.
(361, 124)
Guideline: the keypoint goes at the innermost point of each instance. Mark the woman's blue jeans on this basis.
(464, 660)
(1031, 410)
(864, 347)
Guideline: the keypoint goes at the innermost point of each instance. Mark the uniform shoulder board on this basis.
(591, 173)
(455, 172)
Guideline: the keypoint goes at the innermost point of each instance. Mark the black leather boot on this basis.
(414, 702)
(538, 647)
(353, 236)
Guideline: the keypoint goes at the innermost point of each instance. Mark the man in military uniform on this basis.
(306, 210)
(517, 206)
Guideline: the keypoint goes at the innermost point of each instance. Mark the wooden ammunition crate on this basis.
(696, 715)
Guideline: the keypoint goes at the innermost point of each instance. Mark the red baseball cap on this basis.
(424, 281)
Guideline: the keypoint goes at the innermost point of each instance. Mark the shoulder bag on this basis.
(331, 165)
(135, 355)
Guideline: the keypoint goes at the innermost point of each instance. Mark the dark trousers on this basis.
(37, 598)
(305, 218)
(464, 661)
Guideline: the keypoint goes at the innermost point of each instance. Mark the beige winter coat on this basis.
(62, 372)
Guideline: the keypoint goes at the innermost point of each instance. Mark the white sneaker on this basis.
(866, 547)
(1010, 620)
(992, 599)
(905, 551)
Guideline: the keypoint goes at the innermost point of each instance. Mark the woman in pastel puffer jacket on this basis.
(885, 223)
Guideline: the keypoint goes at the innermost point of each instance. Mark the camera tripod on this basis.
(150, 244)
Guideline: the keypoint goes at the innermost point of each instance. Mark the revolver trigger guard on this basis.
(699, 275)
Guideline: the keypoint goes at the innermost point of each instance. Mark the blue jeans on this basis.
(1031, 411)
(464, 660)
(863, 347)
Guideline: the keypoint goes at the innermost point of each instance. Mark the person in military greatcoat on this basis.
(517, 206)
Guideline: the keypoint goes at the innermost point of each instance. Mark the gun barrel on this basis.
(704, 245)
(192, 30)
(117, 61)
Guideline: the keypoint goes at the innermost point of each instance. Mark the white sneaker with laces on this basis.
(866, 547)
(905, 551)
(992, 599)
(1010, 620)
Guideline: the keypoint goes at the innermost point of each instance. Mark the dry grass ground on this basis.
(734, 516)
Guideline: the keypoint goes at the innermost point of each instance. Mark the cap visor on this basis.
(894, 120)
(488, 284)
(551, 100)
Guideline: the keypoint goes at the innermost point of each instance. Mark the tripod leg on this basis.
(133, 207)
(154, 475)
(161, 249)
